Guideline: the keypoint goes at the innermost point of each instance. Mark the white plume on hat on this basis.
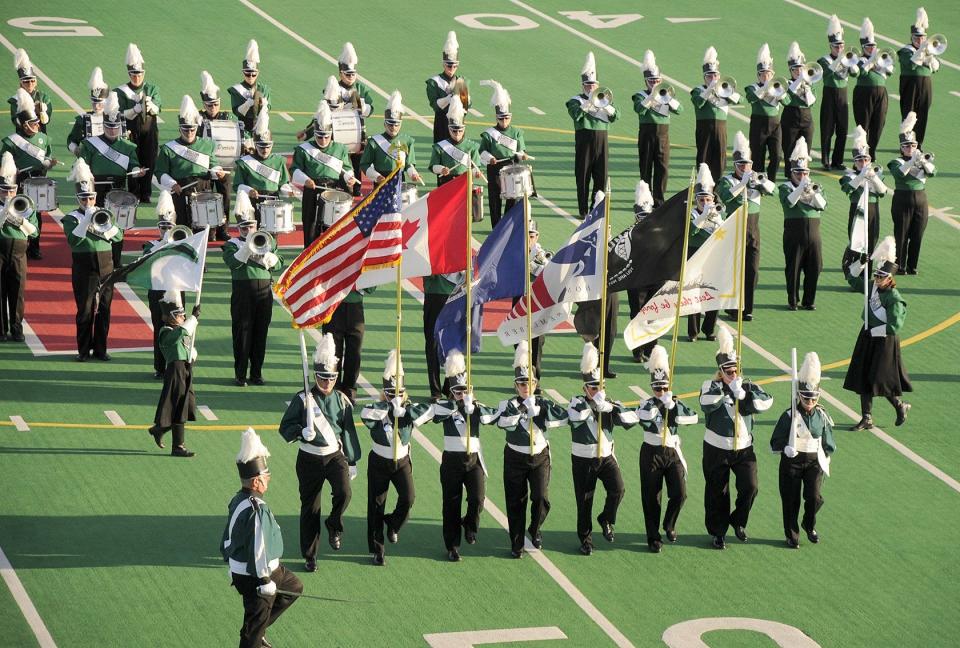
(323, 116)
(21, 60)
(922, 22)
(860, 138)
(725, 342)
(8, 168)
(25, 103)
(704, 177)
(455, 363)
(80, 172)
(111, 107)
(348, 56)
(500, 96)
(455, 111)
(394, 103)
(589, 68)
(589, 359)
(251, 447)
(521, 357)
(165, 204)
(866, 30)
(659, 360)
(451, 46)
(649, 61)
(326, 353)
(886, 251)
(810, 369)
(171, 297)
(242, 206)
(331, 92)
(794, 54)
(710, 56)
(763, 56)
(390, 365)
(834, 27)
(96, 80)
(189, 114)
(134, 57)
(908, 123)
(800, 151)
(741, 144)
(253, 52)
(207, 86)
(642, 195)
(262, 125)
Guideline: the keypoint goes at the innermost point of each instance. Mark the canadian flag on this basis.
(434, 236)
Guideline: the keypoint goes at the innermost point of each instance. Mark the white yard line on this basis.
(474, 112)
(955, 93)
(207, 413)
(19, 424)
(135, 302)
(23, 600)
(535, 110)
(285, 116)
(556, 210)
(43, 77)
(639, 392)
(557, 396)
(114, 418)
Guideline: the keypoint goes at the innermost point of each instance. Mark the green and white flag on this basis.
(178, 265)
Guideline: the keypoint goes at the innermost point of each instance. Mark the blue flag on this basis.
(500, 274)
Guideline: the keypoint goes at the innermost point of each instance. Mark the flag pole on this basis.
(792, 437)
(526, 265)
(468, 287)
(603, 308)
(741, 216)
(866, 267)
(307, 395)
(397, 378)
(196, 301)
(683, 265)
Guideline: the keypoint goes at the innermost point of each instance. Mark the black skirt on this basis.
(177, 402)
(876, 367)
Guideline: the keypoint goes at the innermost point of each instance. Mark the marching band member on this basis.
(653, 134)
(262, 173)
(539, 258)
(876, 367)
(317, 166)
(92, 260)
(705, 217)
(500, 146)
(802, 203)
(797, 118)
(329, 452)
(455, 155)
(249, 97)
(525, 466)
(15, 230)
(765, 104)
(870, 94)
(210, 97)
(31, 153)
(252, 545)
(909, 206)
(461, 466)
(110, 157)
(661, 460)
(834, 114)
(436, 290)
(251, 299)
(711, 103)
(588, 428)
(177, 404)
(388, 148)
(28, 83)
(348, 326)
(141, 105)
(917, 63)
(443, 87)
(186, 164)
(389, 462)
(729, 404)
(637, 297)
(166, 219)
(864, 176)
(733, 188)
(90, 124)
(802, 464)
(591, 121)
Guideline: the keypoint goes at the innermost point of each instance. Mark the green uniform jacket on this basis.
(338, 411)
(375, 155)
(252, 543)
(705, 109)
(697, 235)
(760, 106)
(38, 95)
(311, 161)
(38, 150)
(90, 242)
(511, 143)
(174, 341)
(582, 417)
(450, 414)
(871, 78)
(378, 417)
(733, 202)
(854, 193)
(367, 107)
(77, 134)
(440, 157)
(120, 152)
(651, 116)
(512, 418)
(715, 396)
(907, 181)
(887, 300)
(650, 415)
(830, 78)
(801, 209)
(437, 89)
(818, 422)
(8, 231)
(247, 270)
(171, 167)
(441, 284)
(795, 100)
(245, 178)
(239, 105)
(127, 103)
(907, 67)
(583, 120)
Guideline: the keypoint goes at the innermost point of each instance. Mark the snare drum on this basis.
(516, 181)
(335, 204)
(408, 193)
(206, 208)
(123, 204)
(43, 193)
(228, 140)
(276, 215)
(348, 129)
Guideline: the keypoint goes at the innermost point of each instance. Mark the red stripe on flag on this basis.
(447, 226)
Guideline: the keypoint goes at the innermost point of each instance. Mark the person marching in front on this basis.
(166, 219)
(28, 83)
(729, 404)
(15, 230)
(864, 177)
(329, 451)
(252, 546)
(141, 105)
(876, 366)
(765, 101)
(661, 460)
(262, 173)
(654, 106)
(870, 96)
(592, 116)
(384, 151)
(592, 419)
(443, 87)
(389, 459)
(838, 68)
(711, 103)
(500, 146)
(210, 97)
(90, 123)
(918, 62)
(804, 438)
(797, 118)
(909, 205)
(637, 297)
(249, 97)
(705, 217)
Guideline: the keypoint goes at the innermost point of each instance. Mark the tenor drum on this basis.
(336, 204)
(42, 191)
(348, 129)
(123, 204)
(516, 181)
(206, 208)
(227, 137)
(276, 216)
(408, 193)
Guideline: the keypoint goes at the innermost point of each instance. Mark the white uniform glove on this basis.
(790, 451)
(398, 408)
(667, 399)
(736, 386)
(308, 434)
(468, 405)
(270, 260)
(270, 589)
(353, 472)
(138, 107)
(600, 400)
(531, 404)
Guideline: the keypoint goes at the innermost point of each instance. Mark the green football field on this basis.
(110, 542)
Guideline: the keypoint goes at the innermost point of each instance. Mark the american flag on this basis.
(366, 238)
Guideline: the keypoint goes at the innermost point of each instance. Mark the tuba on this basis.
(461, 90)
(601, 97)
(726, 87)
(102, 222)
(179, 233)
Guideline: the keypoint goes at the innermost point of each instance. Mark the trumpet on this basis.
(757, 179)
(812, 73)
(936, 45)
(601, 97)
(180, 232)
(17, 209)
(260, 244)
(929, 157)
(813, 188)
(774, 89)
(102, 222)
(461, 90)
(726, 87)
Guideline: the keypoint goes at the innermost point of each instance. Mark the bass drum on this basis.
(348, 129)
(227, 137)
(123, 204)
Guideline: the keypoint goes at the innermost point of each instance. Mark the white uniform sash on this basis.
(336, 164)
(115, 156)
(261, 169)
(462, 158)
(503, 140)
(188, 154)
(32, 150)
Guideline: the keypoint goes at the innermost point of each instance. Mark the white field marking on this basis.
(43, 77)
(606, 48)
(207, 413)
(537, 111)
(955, 93)
(857, 27)
(114, 418)
(557, 396)
(135, 302)
(687, 634)
(20, 424)
(942, 214)
(415, 292)
(474, 112)
(556, 210)
(160, 120)
(33, 340)
(853, 416)
(639, 392)
(894, 96)
(680, 21)
(285, 116)
(479, 637)
(23, 601)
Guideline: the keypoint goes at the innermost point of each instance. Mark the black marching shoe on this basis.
(902, 410)
(158, 375)
(586, 548)
(517, 553)
(18, 337)
(453, 555)
(748, 317)
(82, 357)
(866, 423)
(240, 382)
(310, 565)
(911, 271)
(719, 543)
(791, 307)
(710, 338)
(655, 546)
(792, 543)
(609, 374)
(813, 536)
(392, 536)
(379, 560)
(264, 643)
(537, 540)
(741, 533)
(671, 535)
(335, 541)
(470, 537)
(103, 357)
(809, 307)
(181, 451)
(607, 529)
(258, 381)
(157, 434)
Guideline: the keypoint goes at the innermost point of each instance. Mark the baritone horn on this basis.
(726, 87)
(260, 244)
(601, 97)
(666, 94)
(775, 88)
(180, 232)
(812, 73)
(19, 205)
(937, 45)
(102, 222)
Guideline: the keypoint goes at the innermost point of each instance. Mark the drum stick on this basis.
(187, 186)
(143, 170)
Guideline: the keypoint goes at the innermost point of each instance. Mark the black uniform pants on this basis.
(143, 132)
(347, 327)
(224, 188)
(589, 166)
(795, 123)
(381, 472)
(751, 262)
(93, 314)
(13, 284)
(432, 305)
(711, 138)
(355, 164)
(525, 478)
(802, 253)
(873, 224)
(659, 464)
(834, 121)
(260, 612)
(586, 473)
(765, 134)
(458, 470)
(800, 474)
(717, 466)
(706, 322)
(181, 200)
(312, 471)
(251, 309)
(497, 205)
(311, 213)
(637, 297)
(909, 209)
(870, 111)
(653, 151)
(916, 94)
